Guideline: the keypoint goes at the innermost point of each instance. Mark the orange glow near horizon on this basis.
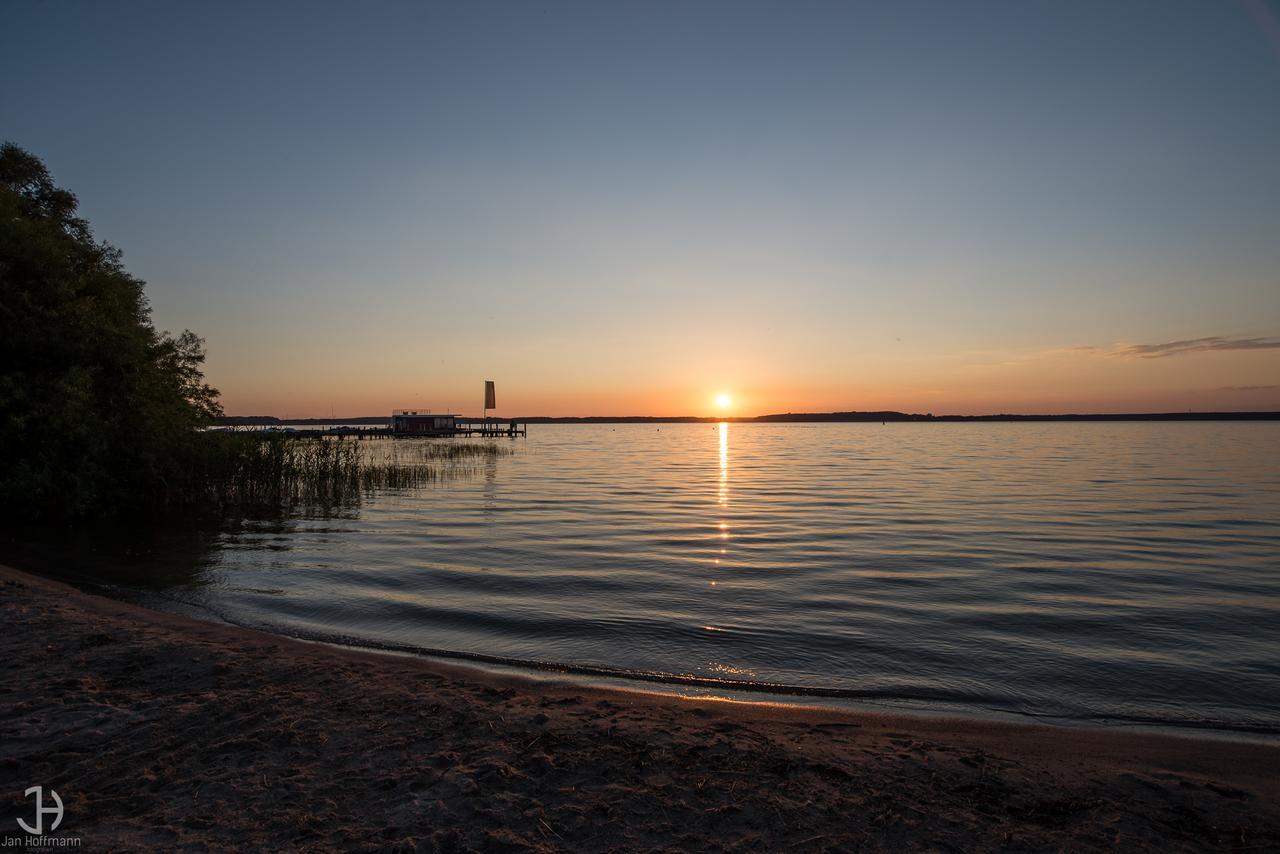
(971, 398)
(314, 381)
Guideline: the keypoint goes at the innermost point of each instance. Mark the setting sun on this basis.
(723, 400)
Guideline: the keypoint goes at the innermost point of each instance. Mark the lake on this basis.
(1120, 572)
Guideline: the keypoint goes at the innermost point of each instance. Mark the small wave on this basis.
(971, 700)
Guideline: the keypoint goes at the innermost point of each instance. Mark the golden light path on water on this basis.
(723, 530)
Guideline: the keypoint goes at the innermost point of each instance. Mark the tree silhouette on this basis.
(97, 408)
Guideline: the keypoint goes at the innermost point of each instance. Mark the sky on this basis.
(634, 208)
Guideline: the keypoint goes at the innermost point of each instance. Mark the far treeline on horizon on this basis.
(786, 418)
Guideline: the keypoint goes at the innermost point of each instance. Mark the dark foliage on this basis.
(97, 409)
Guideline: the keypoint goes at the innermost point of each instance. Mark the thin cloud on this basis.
(1196, 345)
(1249, 387)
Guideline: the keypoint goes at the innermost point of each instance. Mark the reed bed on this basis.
(255, 470)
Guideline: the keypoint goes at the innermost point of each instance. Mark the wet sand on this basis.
(159, 730)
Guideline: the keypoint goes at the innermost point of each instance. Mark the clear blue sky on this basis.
(627, 208)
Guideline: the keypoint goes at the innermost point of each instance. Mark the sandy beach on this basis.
(162, 731)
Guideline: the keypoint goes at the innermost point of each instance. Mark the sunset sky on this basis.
(631, 208)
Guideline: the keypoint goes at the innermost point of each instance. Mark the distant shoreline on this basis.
(786, 418)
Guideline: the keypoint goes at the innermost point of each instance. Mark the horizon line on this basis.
(836, 415)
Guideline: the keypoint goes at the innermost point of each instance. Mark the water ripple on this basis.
(1117, 571)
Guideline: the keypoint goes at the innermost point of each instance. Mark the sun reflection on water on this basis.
(723, 496)
(724, 464)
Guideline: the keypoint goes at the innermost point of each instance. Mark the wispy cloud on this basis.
(1249, 387)
(1196, 345)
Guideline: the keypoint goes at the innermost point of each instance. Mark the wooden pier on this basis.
(491, 428)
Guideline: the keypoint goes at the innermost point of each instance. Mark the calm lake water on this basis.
(1126, 571)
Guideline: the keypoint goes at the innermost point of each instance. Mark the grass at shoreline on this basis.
(256, 470)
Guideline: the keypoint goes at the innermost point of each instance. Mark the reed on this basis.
(248, 469)
(453, 450)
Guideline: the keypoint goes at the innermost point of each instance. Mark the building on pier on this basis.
(419, 422)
